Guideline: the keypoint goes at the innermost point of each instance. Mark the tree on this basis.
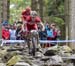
(0, 11)
(41, 4)
(0, 17)
(5, 9)
(67, 19)
(71, 22)
(37, 5)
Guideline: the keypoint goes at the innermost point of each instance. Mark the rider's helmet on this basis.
(33, 14)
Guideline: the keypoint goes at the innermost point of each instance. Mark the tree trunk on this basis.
(67, 19)
(5, 9)
(38, 6)
(0, 11)
(41, 3)
(35, 5)
(72, 22)
(0, 18)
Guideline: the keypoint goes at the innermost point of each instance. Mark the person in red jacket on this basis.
(5, 33)
(56, 33)
(26, 13)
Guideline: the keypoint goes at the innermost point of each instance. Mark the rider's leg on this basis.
(38, 43)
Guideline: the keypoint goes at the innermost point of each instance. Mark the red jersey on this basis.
(32, 23)
(5, 34)
(25, 14)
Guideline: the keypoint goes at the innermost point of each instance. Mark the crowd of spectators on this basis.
(12, 32)
(51, 32)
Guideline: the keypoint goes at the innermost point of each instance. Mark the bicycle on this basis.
(32, 39)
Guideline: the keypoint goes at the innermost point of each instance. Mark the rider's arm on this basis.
(39, 22)
(43, 28)
(24, 26)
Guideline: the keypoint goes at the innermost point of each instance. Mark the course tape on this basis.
(13, 41)
(56, 41)
(41, 41)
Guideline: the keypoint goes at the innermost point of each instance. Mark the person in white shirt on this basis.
(12, 33)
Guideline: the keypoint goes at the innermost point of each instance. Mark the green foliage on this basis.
(55, 9)
(57, 20)
(19, 6)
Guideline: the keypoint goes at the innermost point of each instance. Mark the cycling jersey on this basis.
(32, 23)
(25, 14)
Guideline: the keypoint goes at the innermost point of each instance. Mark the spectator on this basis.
(56, 31)
(12, 31)
(49, 33)
(46, 26)
(5, 23)
(15, 24)
(42, 34)
(5, 32)
(18, 30)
